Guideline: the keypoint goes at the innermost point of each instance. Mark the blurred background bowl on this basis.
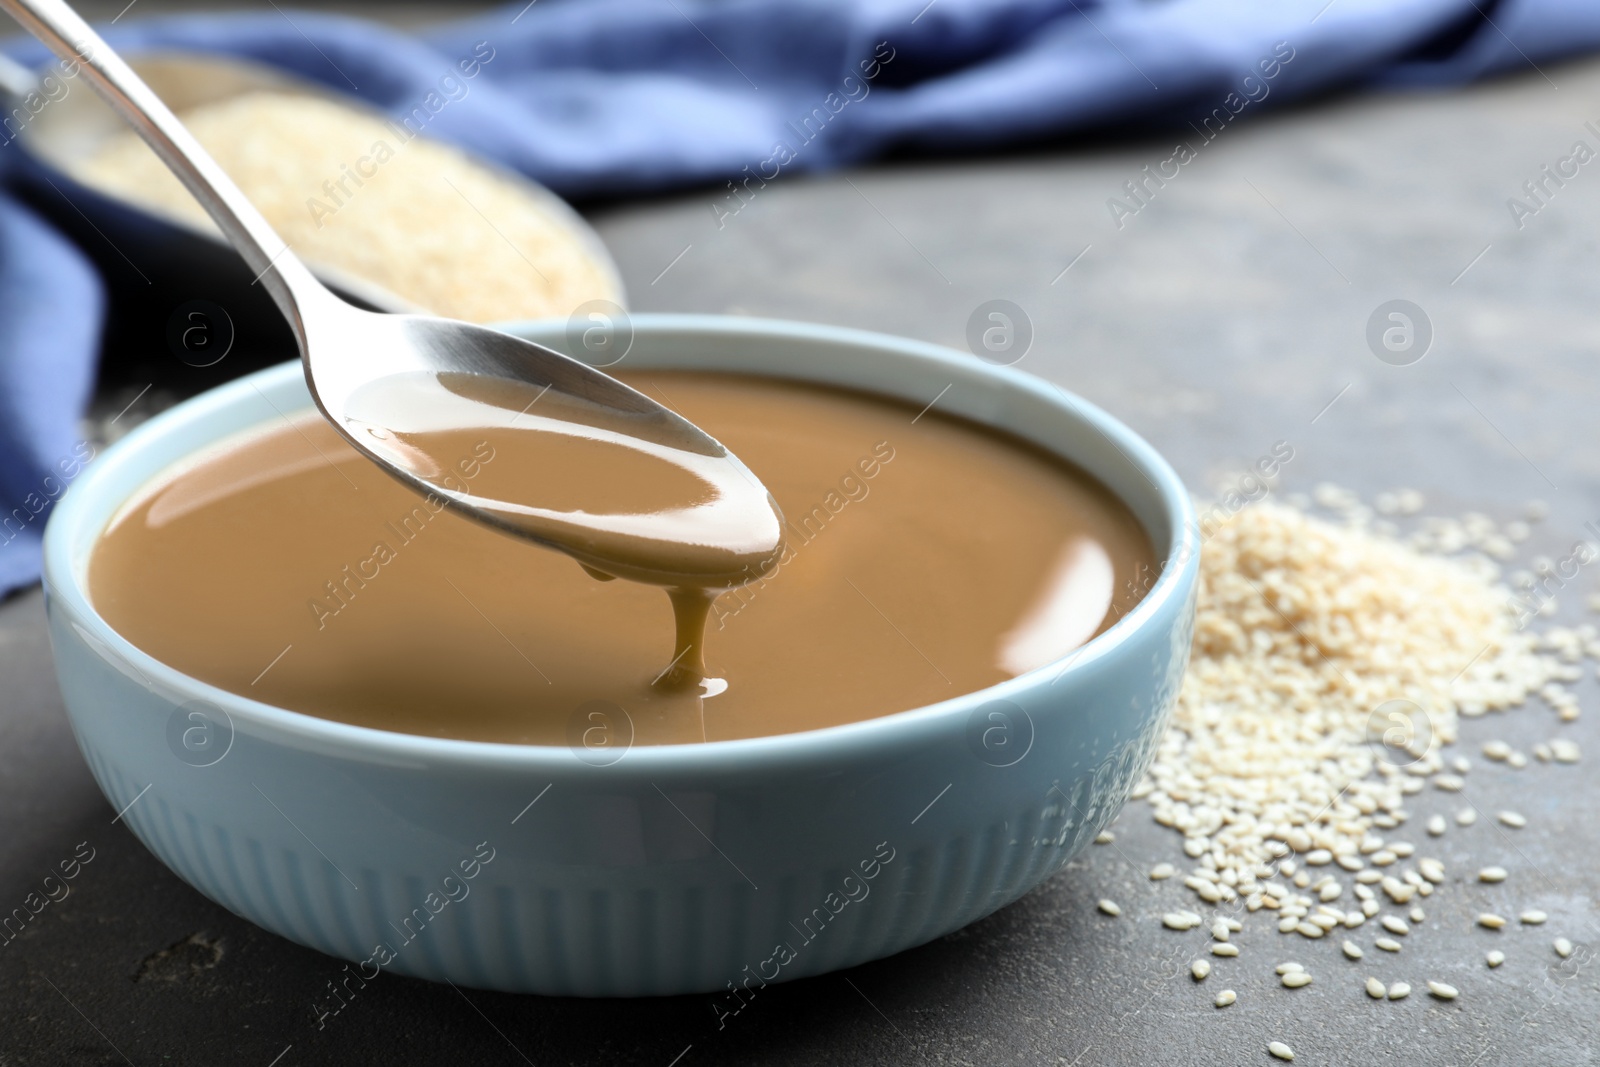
(183, 260)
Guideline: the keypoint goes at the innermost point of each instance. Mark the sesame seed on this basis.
(1296, 979)
(1399, 991)
(1533, 917)
(1200, 969)
(1174, 920)
(1286, 968)
(1226, 997)
(1563, 947)
(1495, 957)
(1492, 874)
(1110, 907)
(1280, 1050)
(406, 232)
(1513, 820)
(1222, 948)
(1516, 761)
(1416, 915)
(1220, 931)
(1351, 949)
(1305, 629)
(1491, 921)
(1443, 990)
(1105, 837)
(1375, 989)
(1566, 751)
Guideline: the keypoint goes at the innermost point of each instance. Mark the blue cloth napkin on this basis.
(50, 307)
(603, 98)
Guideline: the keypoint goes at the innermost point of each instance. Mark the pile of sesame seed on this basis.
(1331, 662)
(1315, 639)
(421, 219)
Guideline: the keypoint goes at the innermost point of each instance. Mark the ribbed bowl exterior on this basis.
(664, 872)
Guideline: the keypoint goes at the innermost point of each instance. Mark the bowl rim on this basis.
(1179, 571)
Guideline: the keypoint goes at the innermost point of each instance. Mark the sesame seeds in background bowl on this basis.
(428, 226)
(1334, 658)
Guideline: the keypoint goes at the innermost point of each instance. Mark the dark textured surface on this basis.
(1222, 318)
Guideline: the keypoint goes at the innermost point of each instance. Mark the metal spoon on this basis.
(344, 348)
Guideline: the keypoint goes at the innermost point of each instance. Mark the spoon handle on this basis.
(268, 255)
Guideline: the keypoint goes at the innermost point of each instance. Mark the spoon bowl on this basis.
(399, 387)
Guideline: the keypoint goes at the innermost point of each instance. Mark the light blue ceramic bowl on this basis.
(674, 869)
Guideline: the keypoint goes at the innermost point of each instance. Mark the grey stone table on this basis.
(1228, 313)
